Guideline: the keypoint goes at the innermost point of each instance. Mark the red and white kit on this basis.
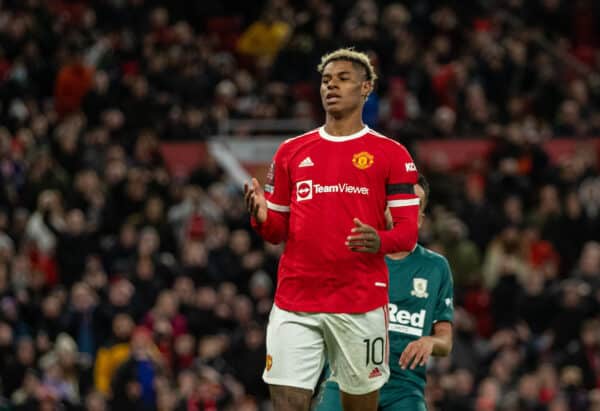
(317, 185)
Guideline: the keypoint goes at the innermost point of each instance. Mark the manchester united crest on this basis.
(362, 160)
(269, 362)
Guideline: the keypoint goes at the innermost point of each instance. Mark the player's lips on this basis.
(332, 97)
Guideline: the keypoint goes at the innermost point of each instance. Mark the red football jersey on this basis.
(316, 186)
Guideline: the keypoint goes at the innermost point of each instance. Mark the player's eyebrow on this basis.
(339, 73)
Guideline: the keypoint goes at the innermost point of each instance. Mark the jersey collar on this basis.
(338, 139)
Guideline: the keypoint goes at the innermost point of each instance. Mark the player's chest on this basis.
(417, 290)
(349, 171)
(411, 306)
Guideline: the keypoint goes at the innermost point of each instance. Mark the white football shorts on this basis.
(356, 346)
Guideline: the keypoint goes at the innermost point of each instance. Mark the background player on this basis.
(325, 196)
(421, 311)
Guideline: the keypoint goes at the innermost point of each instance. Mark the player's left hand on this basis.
(416, 353)
(364, 238)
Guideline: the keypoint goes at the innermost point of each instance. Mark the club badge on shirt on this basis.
(269, 363)
(363, 160)
(419, 288)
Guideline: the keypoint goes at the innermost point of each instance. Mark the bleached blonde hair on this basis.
(353, 56)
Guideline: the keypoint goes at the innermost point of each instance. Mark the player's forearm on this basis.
(442, 339)
(441, 346)
(275, 227)
(403, 237)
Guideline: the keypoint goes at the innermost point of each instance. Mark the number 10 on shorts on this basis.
(375, 350)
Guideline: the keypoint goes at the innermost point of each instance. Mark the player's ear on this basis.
(367, 88)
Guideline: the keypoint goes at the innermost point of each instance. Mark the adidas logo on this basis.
(375, 373)
(307, 162)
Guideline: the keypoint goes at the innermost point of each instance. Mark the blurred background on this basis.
(129, 275)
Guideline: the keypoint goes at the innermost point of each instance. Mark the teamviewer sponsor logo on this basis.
(341, 188)
(304, 190)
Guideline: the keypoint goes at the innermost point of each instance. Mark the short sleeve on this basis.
(444, 310)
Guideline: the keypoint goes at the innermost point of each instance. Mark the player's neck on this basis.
(343, 126)
(401, 254)
(398, 256)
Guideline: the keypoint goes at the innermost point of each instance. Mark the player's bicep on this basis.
(401, 197)
(400, 191)
(403, 207)
(445, 306)
(403, 175)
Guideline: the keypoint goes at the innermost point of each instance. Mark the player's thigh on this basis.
(361, 402)
(286, 398)
(404, 404)
(357, 348)
(328, 398)
(295, 349)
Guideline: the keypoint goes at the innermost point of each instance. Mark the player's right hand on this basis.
(256, 203)
(363, 238)
(416, 353)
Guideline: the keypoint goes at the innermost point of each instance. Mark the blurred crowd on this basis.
(123, 287)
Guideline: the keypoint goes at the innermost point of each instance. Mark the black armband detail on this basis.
(400, 189)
